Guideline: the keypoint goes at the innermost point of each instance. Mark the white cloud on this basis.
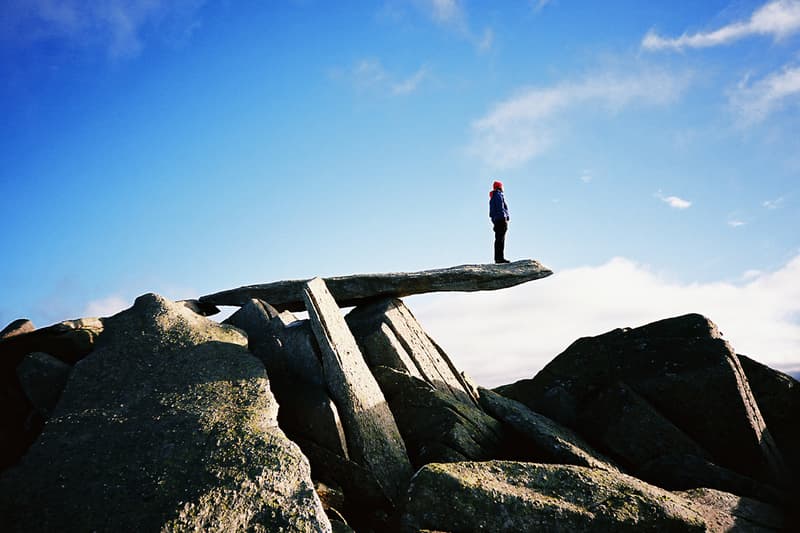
(736, 223)
(777, 19)
(523, 126)
(586, 176)
(538, 5)
(370, 74)
(773, 204)
(453, 15)
(674, 201)
(502, 336)
(411, 83)
(754, 102)
(108, 306)
(115, 25)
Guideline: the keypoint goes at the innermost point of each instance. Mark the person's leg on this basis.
(500, 228)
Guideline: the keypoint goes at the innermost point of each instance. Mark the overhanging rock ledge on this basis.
(354, 290)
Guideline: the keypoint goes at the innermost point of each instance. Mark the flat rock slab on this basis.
(354, 290)
(373, 438)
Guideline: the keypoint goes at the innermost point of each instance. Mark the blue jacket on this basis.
(497, 206)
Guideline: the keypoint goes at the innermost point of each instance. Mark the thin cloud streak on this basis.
(523, 126)
(674, 201)
(513, 333)
(755, 102)
(777, 19)
(115, 25)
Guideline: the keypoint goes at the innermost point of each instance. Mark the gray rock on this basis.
(620, 421)
(21, 325)
(684, 369)
(201, 308)
(372, 435)
(69, 341)
(778, 398)
(290, 354)
(284, 344)
(365, 505)
(355, 290)
(168, 425)
(435, 426)
(546, 440)
(511, 496)
(723, 511)
(679, 472)
(390, 335)
(43, 377)
(306, 411)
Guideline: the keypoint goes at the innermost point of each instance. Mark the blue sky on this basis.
(650, 151)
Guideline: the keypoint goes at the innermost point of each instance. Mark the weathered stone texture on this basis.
(168, 425)
(372, 435)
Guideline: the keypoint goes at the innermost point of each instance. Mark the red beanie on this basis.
(497, 185)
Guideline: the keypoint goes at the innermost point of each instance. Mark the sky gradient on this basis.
(650, 152)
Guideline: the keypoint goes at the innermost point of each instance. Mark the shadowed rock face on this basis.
(435, 426)
(355, 290)
(373, 439)
(778, 398)
(681, 367)
(511, 496)
(389, 335)
(545, 440)
(169, 424)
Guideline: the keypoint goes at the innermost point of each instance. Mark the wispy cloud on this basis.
(411, 83)
(753, 102)
(370, 74)
(538, 5)
(523, 126)
(674, 201)
(519, 330)
(586, 176)
(735, 223)
(773, 204)
(115, 25)
(777, 19)
(452, 14)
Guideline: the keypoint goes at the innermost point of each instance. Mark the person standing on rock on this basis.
(498, 213)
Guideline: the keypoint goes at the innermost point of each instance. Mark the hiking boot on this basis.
(501, 261)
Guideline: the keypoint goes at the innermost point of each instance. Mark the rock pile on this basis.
(159, 418)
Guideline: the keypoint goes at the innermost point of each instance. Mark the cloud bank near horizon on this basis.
(500, 337)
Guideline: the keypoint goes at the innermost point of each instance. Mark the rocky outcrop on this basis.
(778, 398)
(680, 366)
(372, 435)
(355, 290)
(169, 424)
(435, 426)
(389, 335)
(21, 325)
(723, 511)
(511, 496)
(543, 439)
(42, 378)
(20, 420)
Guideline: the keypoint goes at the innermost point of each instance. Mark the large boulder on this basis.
(169, 425)
(543, 439)
(778, 398)
(435, 426)
(20, 420)
(21, 325)
(42, 378)
(389, 335)
(680, 366)
(289, 351)
(512, 496)
(723, 511)
(373, 439)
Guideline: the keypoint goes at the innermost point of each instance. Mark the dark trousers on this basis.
(500, 228)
